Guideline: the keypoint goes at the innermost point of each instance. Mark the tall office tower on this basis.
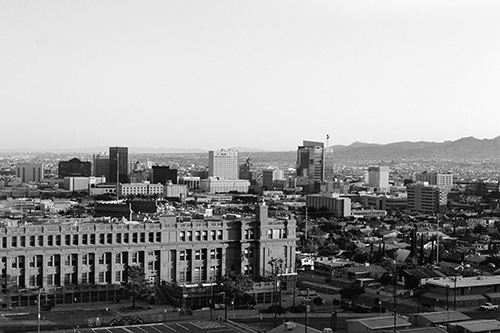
(100, 165)
(310, 157)
(423, 198)
(223, 164)
(378, 177)
(267, 179)
(443, 181)
(30, 172)
(278, 174)
(74, 168)
(162, 174)
(118, 164)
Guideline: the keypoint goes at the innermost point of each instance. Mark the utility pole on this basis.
(394, 281)
(275, 292)
(437, 240)
(117, 175)
(38, 300)
(307, 308)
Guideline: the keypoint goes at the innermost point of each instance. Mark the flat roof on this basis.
(375, 323)
(480, 325)
(423, 330)
(465, 282)
(443, 316)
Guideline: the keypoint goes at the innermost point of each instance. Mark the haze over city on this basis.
(206, 75)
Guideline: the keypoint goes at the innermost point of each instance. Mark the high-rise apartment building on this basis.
(223, 164)
(443, 181)
(30, 172)
(423, 198)
(74, 168)
(118, 164)
(100, 165)
(310, 160)
(378, 177)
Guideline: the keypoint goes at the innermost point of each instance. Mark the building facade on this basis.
(443, 181)
(30, 172)
(378, 177)
(223, 164)
(86, 261)
(340, 207)
(140, 189)
(118, 164)
(74, 168)
(163, 174)
(100, 165)
(215, 185)
(423, 198)
(310, 157)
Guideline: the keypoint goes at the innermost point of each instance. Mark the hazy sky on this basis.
(259, 74)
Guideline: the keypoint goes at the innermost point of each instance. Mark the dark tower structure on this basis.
(162, 174)
(118, 164)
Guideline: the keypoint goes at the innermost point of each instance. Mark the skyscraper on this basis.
(223, 164)
(118, 164)
(310, 157)
(100, 165)
(378, 177)
(443, 181)
(423, 198)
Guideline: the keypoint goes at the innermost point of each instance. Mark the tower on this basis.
(310, 160)
(118, 164)
(100, 165)
(378, 177)
(223, 164)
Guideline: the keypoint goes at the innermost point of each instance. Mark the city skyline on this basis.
(203, 75)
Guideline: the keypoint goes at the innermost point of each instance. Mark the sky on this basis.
(255, 74)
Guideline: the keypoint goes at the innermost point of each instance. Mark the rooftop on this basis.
(376, 323)
(466, 282)
(480, 325)
(443, 316)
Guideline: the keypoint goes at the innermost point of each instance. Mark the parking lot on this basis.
(206, 326)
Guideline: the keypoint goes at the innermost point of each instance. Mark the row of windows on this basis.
(68, 278)
(86, 259)
(186, 255)
(199, 274)
(200, 235)
(85, 239)
(276, 233)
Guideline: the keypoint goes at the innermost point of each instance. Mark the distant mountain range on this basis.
(464, 148)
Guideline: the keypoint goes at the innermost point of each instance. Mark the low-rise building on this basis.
(377, 324)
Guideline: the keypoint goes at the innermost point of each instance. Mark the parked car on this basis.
(488, 307)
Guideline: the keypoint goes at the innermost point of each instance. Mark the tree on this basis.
(329, 249)
(136, 285)
(351, 293)
(234, 286)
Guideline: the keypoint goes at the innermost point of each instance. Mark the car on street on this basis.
(488, 307)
